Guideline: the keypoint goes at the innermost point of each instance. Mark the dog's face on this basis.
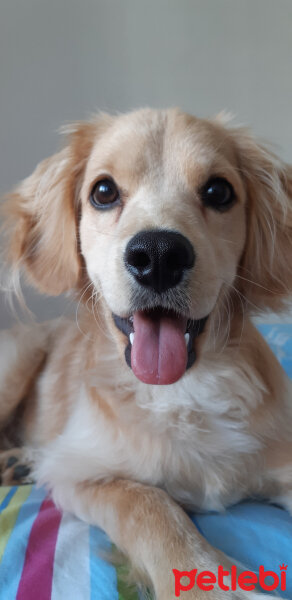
(162, 231)
(166, 218)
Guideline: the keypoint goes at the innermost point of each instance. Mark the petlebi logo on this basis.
(232, 580)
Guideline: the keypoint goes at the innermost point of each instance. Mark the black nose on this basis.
(158, 258)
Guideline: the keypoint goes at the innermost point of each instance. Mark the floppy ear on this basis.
(265, 272)
(41, 215)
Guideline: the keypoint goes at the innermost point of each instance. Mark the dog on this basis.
(169, 231)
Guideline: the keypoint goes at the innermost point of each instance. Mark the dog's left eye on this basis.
(218, 194)
(105, 194)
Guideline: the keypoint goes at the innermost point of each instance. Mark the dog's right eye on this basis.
(218, 194)
(105, 194)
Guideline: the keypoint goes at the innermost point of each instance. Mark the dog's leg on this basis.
(22, 351)
(278, 474)
(155, 533)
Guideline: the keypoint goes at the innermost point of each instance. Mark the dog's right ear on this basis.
(40, 223)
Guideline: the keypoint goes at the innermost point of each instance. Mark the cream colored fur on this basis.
(118, 453)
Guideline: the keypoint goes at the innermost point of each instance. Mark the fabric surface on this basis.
(46, 555)
(279, 338)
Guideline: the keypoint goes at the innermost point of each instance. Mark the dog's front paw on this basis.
(15, 467)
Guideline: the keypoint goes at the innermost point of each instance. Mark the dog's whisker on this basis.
(258, 308)
(256, 284)
(95, 309)
(90, 284)
(226, 307)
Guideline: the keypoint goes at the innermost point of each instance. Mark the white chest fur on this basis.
(194, 438)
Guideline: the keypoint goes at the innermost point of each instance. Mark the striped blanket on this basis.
(45, 555)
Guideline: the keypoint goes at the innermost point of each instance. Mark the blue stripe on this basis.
(195, 521)
(103, 575)
(7, 498)
(13, 559)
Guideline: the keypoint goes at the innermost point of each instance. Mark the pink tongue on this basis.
(159, 353)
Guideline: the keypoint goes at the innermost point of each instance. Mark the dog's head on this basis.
(166, 217)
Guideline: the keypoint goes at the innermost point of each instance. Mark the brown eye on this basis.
(105, 194)
(218, 194)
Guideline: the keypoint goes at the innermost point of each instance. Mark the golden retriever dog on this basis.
(170, 231)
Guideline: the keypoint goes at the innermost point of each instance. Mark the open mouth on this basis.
(160, 344)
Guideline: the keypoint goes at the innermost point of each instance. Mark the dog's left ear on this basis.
(41, 215)
(265, 271)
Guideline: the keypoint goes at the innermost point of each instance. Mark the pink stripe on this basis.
(37, 574)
